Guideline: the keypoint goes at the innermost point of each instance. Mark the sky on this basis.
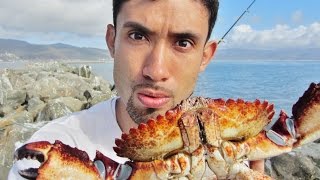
(268, 24)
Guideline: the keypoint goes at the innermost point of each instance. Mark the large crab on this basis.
(199, 138)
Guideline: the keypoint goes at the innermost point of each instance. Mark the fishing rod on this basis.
(247, 10)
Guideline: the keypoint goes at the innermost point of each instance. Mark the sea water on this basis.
(280, 82)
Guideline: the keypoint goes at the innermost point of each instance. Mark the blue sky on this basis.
(265, 14)
(269, 24)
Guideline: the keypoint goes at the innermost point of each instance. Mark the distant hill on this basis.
(20, 50)
(269, 54)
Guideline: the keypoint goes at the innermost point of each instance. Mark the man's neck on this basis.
(124, 120)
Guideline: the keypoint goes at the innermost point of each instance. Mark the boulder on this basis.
(35, 105)
(53, 110)
(13, 98)
(32, 96)
(301, 163)
(85, 71)
(5, 83)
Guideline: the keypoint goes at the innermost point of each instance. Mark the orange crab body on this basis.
(203, 138)
(198, 131)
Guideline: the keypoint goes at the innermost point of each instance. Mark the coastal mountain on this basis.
(11, 50)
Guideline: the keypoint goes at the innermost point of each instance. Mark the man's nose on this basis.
(156, 67)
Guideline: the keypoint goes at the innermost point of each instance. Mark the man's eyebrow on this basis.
(186, 35)
(137, 26)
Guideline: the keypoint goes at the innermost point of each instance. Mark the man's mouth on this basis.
(153, 99)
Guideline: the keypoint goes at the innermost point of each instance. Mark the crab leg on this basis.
(288, 133)
(275, 141)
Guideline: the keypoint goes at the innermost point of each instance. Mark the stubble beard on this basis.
(140, 115)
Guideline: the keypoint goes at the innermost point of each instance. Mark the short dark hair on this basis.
(211, 5)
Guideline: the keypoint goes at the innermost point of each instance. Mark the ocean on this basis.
(280, 82)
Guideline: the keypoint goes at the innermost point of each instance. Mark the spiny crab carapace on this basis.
(198, 136)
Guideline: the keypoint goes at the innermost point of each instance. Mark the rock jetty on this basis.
(32, 96)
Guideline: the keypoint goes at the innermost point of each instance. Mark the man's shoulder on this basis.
(97, 110)
(75, 124)
(107, 105)
(85, 119)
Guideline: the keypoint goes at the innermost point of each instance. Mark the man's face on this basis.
(159, 49)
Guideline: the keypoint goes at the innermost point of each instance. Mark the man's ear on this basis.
(209, 50)
(110, 38)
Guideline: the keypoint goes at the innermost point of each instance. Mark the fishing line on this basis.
(244, 12)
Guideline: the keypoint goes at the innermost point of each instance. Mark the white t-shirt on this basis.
(88, 130)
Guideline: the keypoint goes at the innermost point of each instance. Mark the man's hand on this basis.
(257, 165)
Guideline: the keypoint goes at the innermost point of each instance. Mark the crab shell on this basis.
(201, 130)
(195, 122)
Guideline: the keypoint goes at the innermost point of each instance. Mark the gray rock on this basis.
(51, 88)
(55, 67)
(3, 97)
(21, 79)
(98, 96)
(5, 83)
(20, 115)
(35, 105)
(73, 104)
(302, 163)
(85, 71)
(99, 84)
(13, 98)
(76, 83)
(53, 110)
(43, 75)
(10, 100)
(5, 110)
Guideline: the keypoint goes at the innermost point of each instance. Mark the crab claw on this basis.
(57, 160)
(37, 151)
(34, 151)
(283, 132)
(306, 115)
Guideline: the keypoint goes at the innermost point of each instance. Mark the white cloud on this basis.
(83, 22)
(82, 17)
(281, 36)
(297, 17)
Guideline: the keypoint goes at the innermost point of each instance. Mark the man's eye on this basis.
(183, 43)
(136, 36)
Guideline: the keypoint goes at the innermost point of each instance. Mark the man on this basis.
(159, 48)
